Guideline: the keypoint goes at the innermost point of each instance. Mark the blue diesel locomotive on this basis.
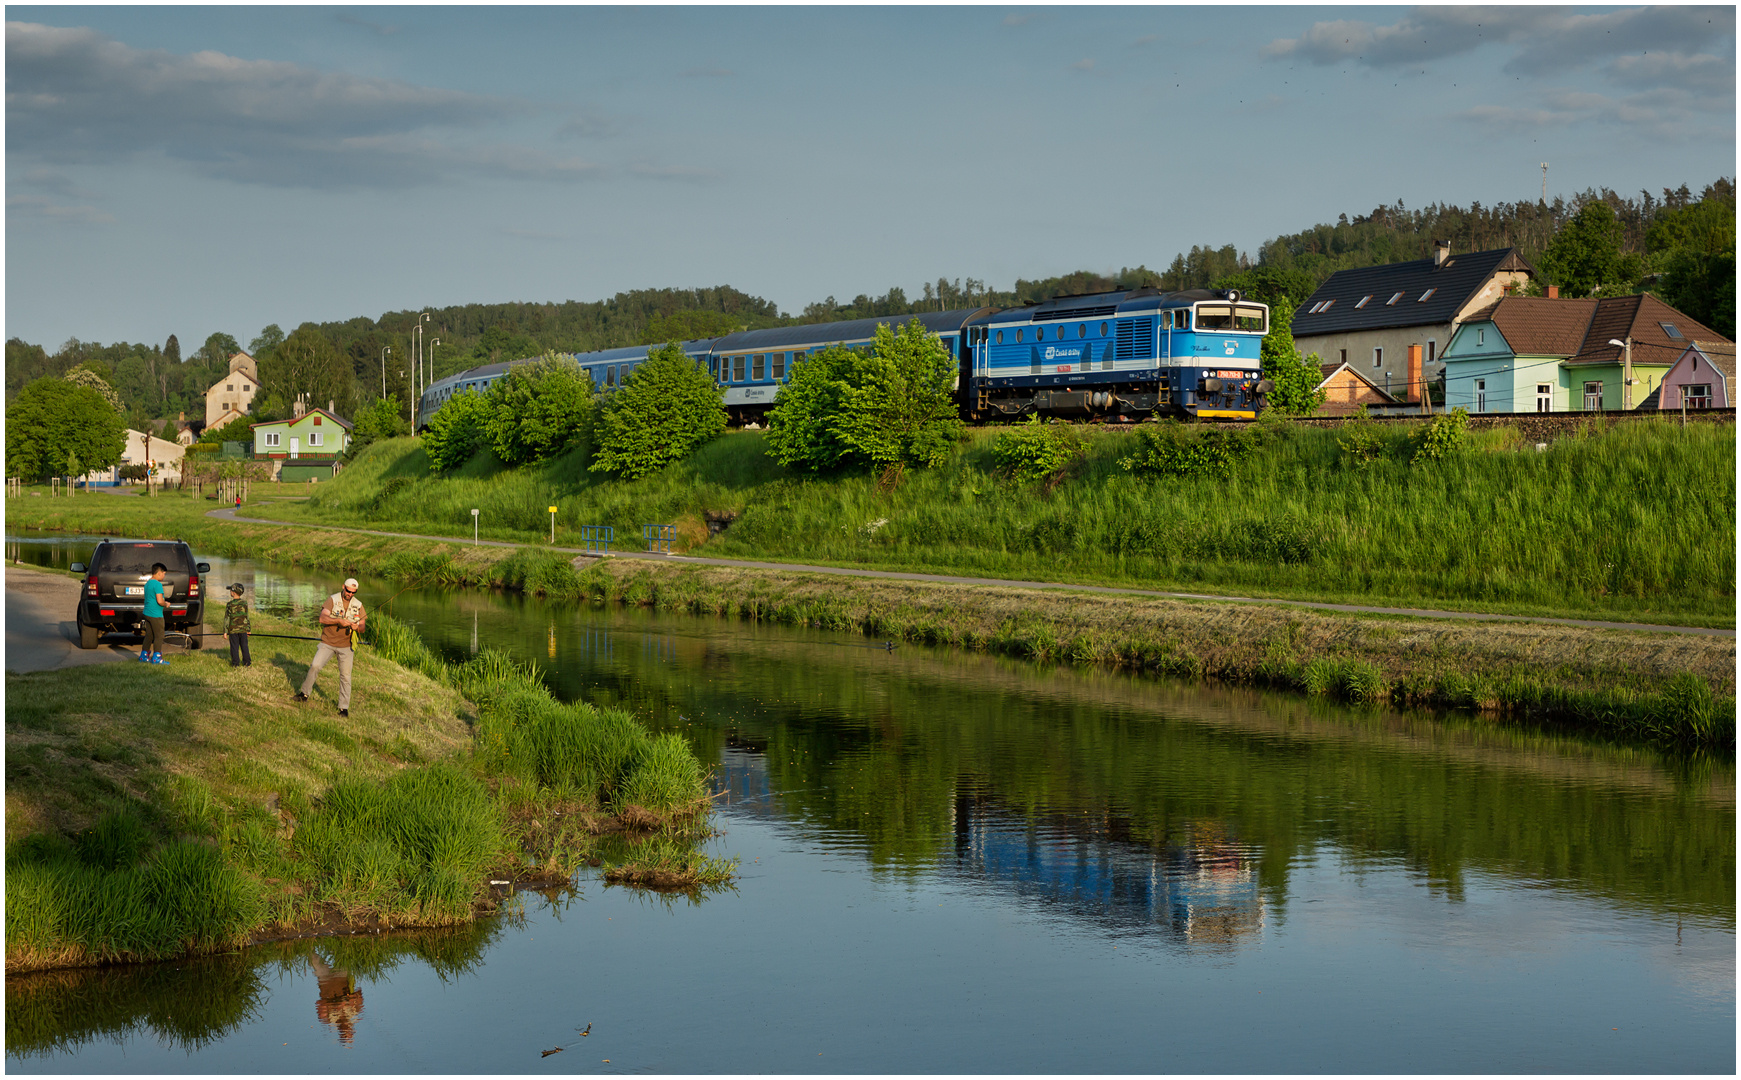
(1118, 356)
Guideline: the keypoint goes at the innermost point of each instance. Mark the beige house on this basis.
(233, 395)
(1346, 390)
(1367, 318)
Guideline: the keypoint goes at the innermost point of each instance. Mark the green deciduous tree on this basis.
(306, 364)
(541, 409)
(689, 326)
(1586, 255)
(666, 409)
(1296, 377)
(458, 430)
(51, 419)
(891, 408)
(261, 347)
(87, 374)
(383, 420)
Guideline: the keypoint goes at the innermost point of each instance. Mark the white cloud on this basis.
(74, 96)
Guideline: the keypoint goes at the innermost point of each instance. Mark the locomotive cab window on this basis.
(1215, 317)
(1246, 317)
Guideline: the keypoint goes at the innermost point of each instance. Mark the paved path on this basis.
(229, 514)
(41, 633)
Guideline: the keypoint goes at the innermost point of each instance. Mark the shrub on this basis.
(541, 409)
(1441, 435)
(1171, 449)
(458, 430)
(1036, 451)
(1361, 441)
(660, 414)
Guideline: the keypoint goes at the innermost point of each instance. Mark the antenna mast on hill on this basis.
(1544, 182)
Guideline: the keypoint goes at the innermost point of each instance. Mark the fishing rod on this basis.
(299, 637)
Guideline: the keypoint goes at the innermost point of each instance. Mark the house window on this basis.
(314, 438)
(1696, 395)
(272, 438)
(1393, 299)
(1480, 395)
(1593, 396)
(229, 388)
(1432, 350)
(246, 388)
(1481, 337)
(1544, 397)
(317, 421)
(1377, 357)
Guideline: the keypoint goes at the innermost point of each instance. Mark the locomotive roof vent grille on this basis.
(1099, 312)
(1135, 339)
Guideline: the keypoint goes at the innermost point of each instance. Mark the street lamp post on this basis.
(1625, 372)
(384, 353)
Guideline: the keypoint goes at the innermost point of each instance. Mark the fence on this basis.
(658, 538)
(597, 537)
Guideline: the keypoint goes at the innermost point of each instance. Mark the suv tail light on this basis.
(193, 586)
(91, 586)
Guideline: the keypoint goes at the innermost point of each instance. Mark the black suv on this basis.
(113, 600)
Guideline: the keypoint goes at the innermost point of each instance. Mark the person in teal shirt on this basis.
(152, 653)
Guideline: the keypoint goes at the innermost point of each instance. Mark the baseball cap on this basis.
(236, 588)
(351, 584)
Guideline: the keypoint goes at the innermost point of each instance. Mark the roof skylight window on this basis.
(1427, 295)
(1669, 329)
(1364, 300)
(1393, 299)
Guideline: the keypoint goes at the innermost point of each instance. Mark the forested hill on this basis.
(1680, 245)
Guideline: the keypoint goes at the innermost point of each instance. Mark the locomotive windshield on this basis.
(1232, 317)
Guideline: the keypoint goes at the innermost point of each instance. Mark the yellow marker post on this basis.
(553, 524)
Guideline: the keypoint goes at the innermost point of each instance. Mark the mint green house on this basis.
(1544, 354)
(316, 435)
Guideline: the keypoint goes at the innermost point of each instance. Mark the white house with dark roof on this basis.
(1368, 317)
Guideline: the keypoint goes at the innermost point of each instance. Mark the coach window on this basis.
(758, 366)
(737, 368)
(779, 366)
(611, 375)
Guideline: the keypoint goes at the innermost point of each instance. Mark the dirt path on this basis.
(41, 633)
(229, 514)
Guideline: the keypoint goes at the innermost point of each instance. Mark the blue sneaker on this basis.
(157, 658)
(145, 658)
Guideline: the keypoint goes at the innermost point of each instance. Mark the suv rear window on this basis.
(137, 558)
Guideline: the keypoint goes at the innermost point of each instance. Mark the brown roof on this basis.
(1537, 326)
(1329, 370)
(1640, 316)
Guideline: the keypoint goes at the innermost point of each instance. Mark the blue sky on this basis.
(201, 169)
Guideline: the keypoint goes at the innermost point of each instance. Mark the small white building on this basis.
(142, 448)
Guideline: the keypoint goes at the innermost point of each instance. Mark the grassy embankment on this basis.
(1654, 687)
(154, 812)
(1635, 522)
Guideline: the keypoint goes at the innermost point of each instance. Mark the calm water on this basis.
(960, 864)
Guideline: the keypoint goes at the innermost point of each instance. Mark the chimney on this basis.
(1413, 391)
(1441, 252)
(300, 407)
(332, 406)
(1553, 292)
(182, 419)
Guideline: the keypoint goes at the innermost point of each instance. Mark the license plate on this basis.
(132, 590)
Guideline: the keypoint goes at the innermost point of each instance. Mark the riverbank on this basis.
(1281, 510)
(132, 788)
(1661, 688)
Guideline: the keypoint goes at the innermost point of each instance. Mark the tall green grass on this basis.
(1633, 519)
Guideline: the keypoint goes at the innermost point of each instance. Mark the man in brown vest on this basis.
(341, 618)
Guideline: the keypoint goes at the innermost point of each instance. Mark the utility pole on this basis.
(1544, 183)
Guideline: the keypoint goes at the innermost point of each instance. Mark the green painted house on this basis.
(1544, 354)
(316, 437)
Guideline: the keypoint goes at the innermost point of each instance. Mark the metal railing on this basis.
(658, 538)
(597, 537)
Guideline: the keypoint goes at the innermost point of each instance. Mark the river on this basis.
(957, 863)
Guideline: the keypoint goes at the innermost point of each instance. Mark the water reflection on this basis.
(340, 1002)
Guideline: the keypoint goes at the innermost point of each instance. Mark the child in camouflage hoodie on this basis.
(236, 628)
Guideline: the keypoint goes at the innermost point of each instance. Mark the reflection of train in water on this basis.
(1119, 355)
(1200, 890)
(1203, 888)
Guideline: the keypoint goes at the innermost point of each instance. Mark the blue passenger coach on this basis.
(1120, 355)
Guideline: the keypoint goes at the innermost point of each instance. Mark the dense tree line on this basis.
(1680, 245)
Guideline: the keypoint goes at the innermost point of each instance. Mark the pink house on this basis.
(1703, 378)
